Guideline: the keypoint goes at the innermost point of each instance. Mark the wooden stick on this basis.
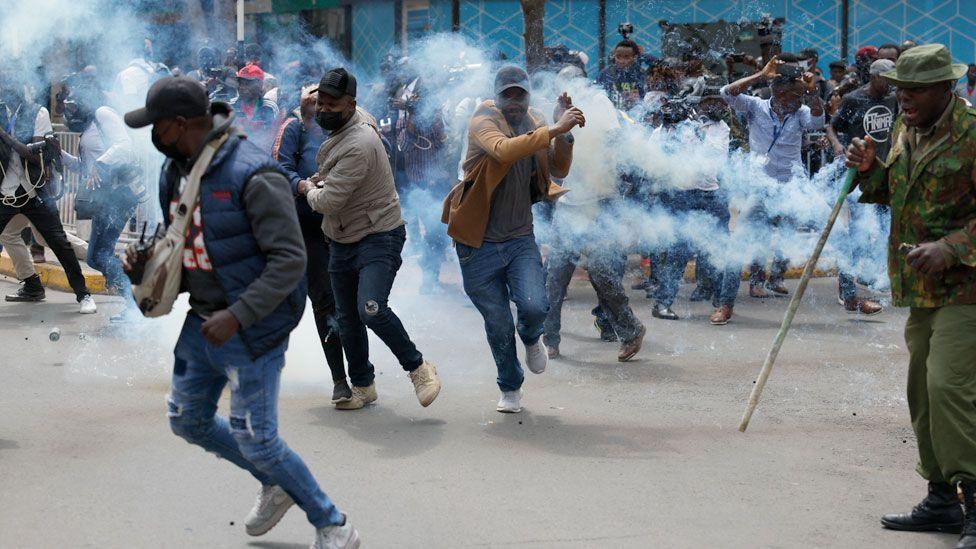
(795, 302)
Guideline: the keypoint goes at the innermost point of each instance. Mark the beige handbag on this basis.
(164, 269)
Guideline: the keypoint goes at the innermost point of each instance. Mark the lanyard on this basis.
(13, 120)
(777, 131)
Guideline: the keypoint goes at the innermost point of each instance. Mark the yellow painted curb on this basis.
(53, 276)
(791, 273)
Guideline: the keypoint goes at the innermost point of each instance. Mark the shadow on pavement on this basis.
(393, 435)
(277, 545)
(551, 434)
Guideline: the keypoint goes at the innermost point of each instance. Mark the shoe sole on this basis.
(664, 317)
(944, 528)
(272, 522)
(341, 400)
(509, 410)
(345, 405)
(8, 299)
(858, 312)
(353, 541)
(718, 323)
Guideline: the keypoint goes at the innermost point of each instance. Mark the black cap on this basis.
(170, 97)
(337, 83)
(511, 76)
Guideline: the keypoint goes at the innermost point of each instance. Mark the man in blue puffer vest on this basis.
(243, 267)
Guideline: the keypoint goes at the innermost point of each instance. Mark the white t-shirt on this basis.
(15, 176)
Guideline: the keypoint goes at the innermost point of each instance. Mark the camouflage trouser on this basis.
(942, 390)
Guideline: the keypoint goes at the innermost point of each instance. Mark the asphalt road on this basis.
(644, 454)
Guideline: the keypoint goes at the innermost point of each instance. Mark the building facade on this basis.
(365, 30)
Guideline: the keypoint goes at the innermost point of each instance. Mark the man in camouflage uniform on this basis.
(929, 181)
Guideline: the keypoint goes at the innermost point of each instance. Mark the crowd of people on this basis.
(312, 186)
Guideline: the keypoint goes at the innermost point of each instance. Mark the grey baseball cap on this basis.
(511, 76)
(882, 66)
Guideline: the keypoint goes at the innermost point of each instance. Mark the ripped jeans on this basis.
(362, 276)
(250, 439)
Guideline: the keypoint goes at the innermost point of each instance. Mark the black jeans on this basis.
(362, 276)
(43, 214)
(320, 292)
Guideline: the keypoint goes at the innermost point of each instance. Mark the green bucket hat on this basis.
(923, 66)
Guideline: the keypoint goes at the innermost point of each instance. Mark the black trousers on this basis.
(43, 214)
(320, 292)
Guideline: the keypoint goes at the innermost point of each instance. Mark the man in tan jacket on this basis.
(489, 216)
(354, 190)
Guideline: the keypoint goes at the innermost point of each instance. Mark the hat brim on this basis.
(335, 94)
(955, 72)
(523, 87)
(139, 118)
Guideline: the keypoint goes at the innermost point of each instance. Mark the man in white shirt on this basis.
(776, 127)
(24, 188)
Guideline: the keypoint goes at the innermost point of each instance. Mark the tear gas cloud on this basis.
(456, 73)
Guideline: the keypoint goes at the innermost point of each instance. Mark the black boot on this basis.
(31, 291)
(663, 312)
(968, 539)
(938, 512)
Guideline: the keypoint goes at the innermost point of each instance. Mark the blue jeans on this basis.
(725, 280)
(106, 227)
(250, 439)
(494, 274)
(362, 276)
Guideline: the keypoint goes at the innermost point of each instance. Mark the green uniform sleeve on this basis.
(963, 241)
(874, 185)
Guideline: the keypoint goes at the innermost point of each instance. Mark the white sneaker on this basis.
(271, 505)
(536, 357)
(511, 402)
(336, 537)
(87, 306)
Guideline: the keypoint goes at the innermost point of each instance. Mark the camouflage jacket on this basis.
(936, 201)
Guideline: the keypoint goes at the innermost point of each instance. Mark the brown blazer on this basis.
(493, 148)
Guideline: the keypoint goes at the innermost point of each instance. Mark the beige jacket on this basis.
(492, 150)
(356, 192)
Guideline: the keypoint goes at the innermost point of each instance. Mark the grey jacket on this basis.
(356, 192)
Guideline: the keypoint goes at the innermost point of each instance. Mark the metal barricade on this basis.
(70, 181)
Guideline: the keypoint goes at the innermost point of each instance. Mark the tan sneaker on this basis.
(425, 383)
(361, 396)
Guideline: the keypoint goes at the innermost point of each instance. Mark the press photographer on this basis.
(25, 170)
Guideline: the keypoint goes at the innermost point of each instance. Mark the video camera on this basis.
(788, 72)
(675, 111)
(625, 30)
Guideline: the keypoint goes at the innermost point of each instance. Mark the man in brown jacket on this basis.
(489, 216)
(354, 190)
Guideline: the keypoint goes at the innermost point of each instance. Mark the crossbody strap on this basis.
(191, 191)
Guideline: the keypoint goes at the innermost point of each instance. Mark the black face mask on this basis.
(330, 121)
(169, 150)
